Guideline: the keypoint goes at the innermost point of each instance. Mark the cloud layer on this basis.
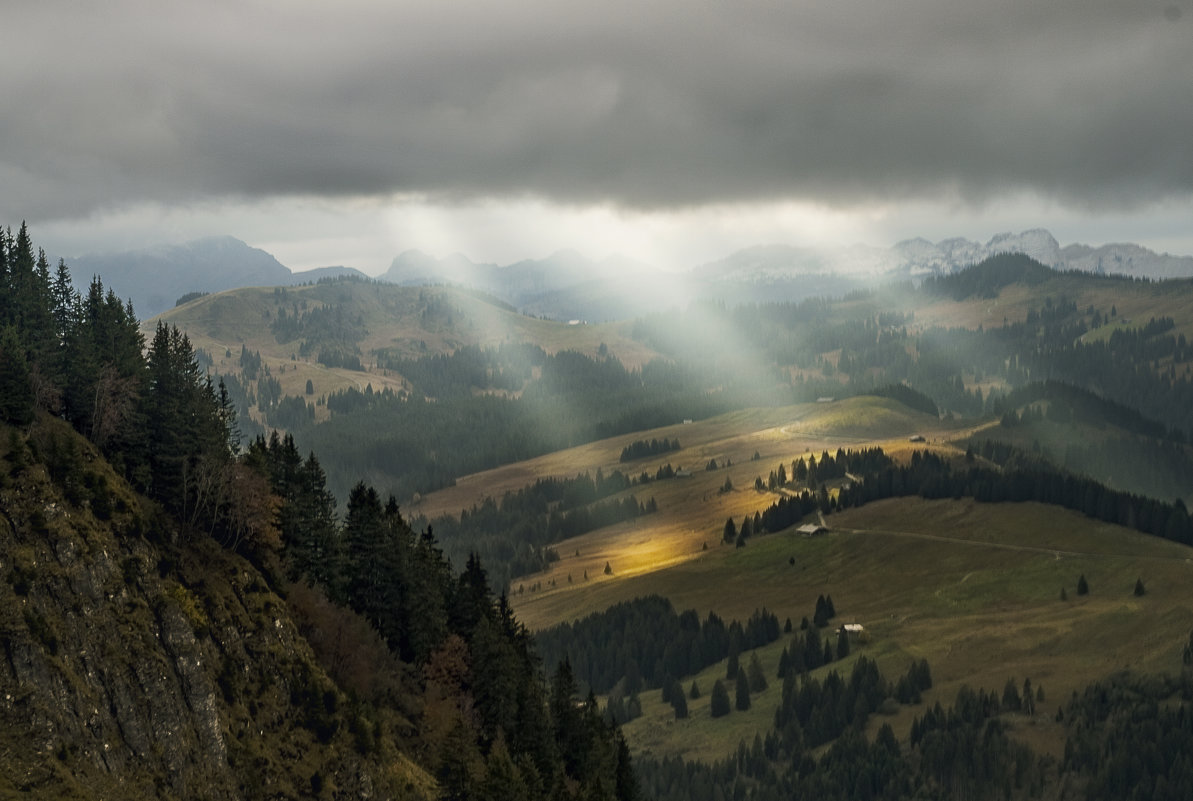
(642, 105)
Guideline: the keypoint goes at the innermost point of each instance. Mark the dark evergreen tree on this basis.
(842, 643)
(755, 674)
(1011, 700)
(17, 401)
(742, 699)
(1082, 585)
(784, 664)
(680, 704)
(821, 616)
(718, 703)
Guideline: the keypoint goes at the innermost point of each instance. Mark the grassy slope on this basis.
(223, 322)
(692, 511)
(1136, 301)
(973, 588)
(392, 315)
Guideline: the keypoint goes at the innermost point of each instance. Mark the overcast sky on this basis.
(673, 130)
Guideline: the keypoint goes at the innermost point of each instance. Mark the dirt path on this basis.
(1006, 546)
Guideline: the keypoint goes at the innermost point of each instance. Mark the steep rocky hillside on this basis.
(139, 663)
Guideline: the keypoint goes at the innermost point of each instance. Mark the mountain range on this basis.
(568, 286)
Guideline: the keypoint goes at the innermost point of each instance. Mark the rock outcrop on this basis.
(135, 663)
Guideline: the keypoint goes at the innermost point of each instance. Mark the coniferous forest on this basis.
(490, 722)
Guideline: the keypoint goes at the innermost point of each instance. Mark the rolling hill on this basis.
(408, 322)
(974, 588)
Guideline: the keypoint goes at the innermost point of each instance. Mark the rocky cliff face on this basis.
(135, 666)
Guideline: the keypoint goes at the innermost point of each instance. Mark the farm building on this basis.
(916, 438)
(855, 631)
(812, 529)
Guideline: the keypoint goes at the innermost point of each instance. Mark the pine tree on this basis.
(1082, 586)
(742, 701)
(820, 616)
(842, 643)
(1011, 701)
(16, 392)
(756, 677)
(1139, 590)
(679, 703)
(718, 703)
(784, 664)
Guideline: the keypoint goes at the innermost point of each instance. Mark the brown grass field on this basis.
(223, 322)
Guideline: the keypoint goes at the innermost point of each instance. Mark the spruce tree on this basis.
(757, 677)
(1082, 586)
(16, 390)
(1011, 701)
(742, 701)
(679, 703)
(718, 703)
(784, 664)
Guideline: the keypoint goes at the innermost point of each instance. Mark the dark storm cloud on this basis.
(656, 104)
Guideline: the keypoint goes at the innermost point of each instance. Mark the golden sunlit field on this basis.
(973, 588)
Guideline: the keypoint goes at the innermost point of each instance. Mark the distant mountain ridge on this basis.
(949, 255)
(317, 274)
(567, 285)
(919, 257)
(154, 278)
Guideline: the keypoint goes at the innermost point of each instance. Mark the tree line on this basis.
(929, 476)
(640, 448)
(515, 534)
(636, 645)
